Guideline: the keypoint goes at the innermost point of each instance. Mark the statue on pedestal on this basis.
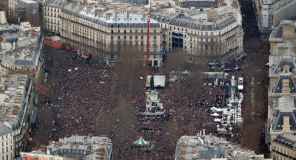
(152, 87)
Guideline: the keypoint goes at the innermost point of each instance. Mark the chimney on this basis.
(72, 5)
(108, 15)
(65, 2)
(285, 89)
(98, 12)
(80, 7)
(116, 16)
(286, 124)
(286, 82)
(127, 15)
(211, 15)
(288, 30)
(87, 10)
(144, 17)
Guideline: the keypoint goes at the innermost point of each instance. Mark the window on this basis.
(15, 68)
(131, 37)
(131, 31)
(118, 31)
(154, 37)
(111, 37)
(141, 37)
(124, 37)
(141, 31)
(118, 37)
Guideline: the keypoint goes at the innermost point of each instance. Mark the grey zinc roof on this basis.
(164, 17)
(5, 130)
(8, 28)
(279, 121)
(55, 3)
(279, 85)
(289, 138)
(284, 61)
(194, 3)
(12, 37)
(278, 32)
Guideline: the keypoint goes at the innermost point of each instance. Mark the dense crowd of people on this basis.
(86, 99)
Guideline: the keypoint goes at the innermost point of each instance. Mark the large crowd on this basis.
(86, 99)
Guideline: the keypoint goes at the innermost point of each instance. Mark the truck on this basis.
(240, 83)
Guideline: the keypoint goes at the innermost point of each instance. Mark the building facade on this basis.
(74, 147)
(16, 107)
(269, 13)
(282, 74)
(284, 147)
(104, 29)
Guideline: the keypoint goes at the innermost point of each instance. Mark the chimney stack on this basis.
(116, 14)
(128, 15)
(144, 17)
(108, 15)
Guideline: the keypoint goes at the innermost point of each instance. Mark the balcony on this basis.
(231, 37)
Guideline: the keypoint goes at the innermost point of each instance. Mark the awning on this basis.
(33, 116)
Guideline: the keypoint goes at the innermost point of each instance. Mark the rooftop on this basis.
(13, 98)
(208, 146)
(87, 147)
(124, 13)
(286, 139)
(22, 47)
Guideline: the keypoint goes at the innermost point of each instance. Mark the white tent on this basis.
(215, 114)
(141, 142)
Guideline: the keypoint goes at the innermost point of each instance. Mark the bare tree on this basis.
(129, 68)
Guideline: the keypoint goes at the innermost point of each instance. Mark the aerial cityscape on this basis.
(147, 79)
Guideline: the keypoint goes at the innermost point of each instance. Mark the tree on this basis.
(128, 69)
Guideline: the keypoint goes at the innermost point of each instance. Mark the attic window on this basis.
(130, 18)
(141, 18)
(135, 18)
(118, 18)
(124, 18)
